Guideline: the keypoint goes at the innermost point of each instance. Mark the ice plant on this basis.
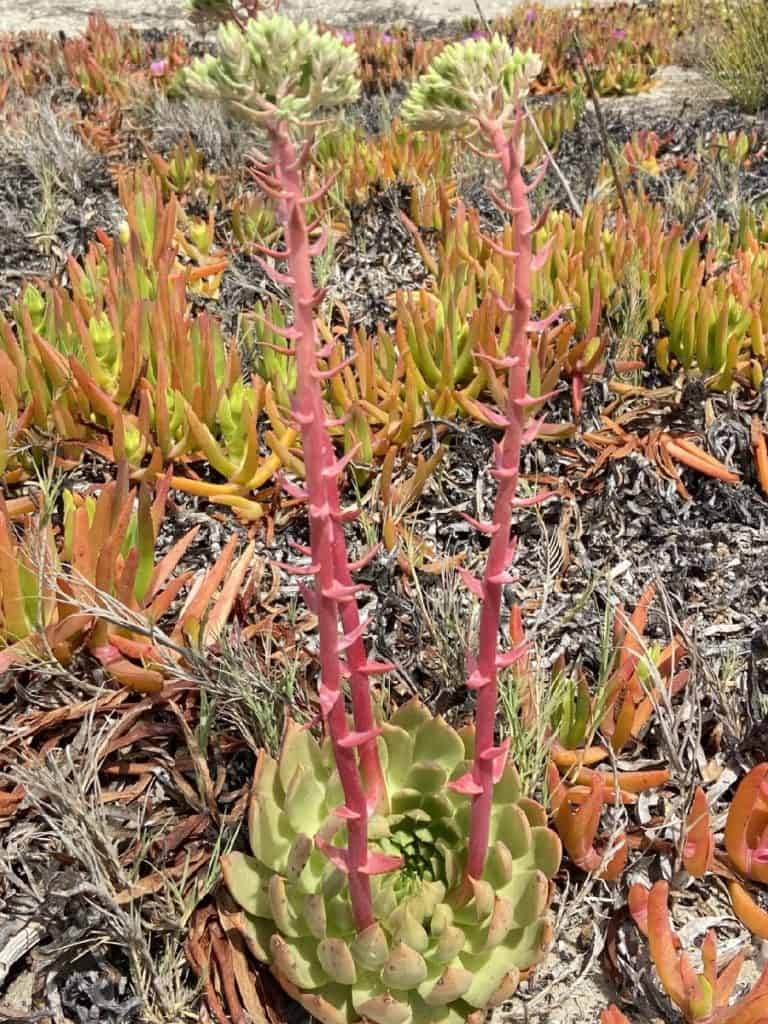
(699, 845)
(701, 997)
(578, 829)
(364, 893)
(746, 841)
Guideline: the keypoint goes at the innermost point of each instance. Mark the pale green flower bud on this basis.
(477, 78)
(276, 70)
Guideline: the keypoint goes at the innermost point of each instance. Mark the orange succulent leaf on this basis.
(699, 847)
(760, 448)
(691, 455)
(664, 945)
(752, 1009)
(746, 829)
(613, 1015)
(614, 869)
(648, 705)
(702, 998)
(578, 829)
(626, 784)
(751, 915)
(632, 644)
(128, 673)
(637, 899)
(724, 982)
(565, 758)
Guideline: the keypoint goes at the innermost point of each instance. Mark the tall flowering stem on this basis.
(276, 74)
(334, 596)
(326, 517)
(476, 86)
(489, 760)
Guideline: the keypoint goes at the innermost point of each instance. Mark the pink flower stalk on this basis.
(158, 67)
(489, 760)
(334, 596)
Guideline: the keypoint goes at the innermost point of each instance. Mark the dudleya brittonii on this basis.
(276, 66)
(368, 892)
(425, 959)
(468, 80)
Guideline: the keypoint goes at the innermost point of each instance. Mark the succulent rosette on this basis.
(440, 949)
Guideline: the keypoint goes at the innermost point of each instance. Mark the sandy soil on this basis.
(70, 15)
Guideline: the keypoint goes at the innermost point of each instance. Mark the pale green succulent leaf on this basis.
(405, 800)
(467, 737)
(509, 788)
(370, 948)
(437, 741)
(405, 928)
(451, 942)
(510, 826)
(488, 971)
(299, 749)
(502, 921)
(297, 960)
(499, 866)
(404, 969)
(314, 915)
(384, 1008)
(257, 932)
(248, 882)
(410, 716)
(399, 746)
(298, 857)
(286, 907)
(534, 812)
(269, 832)
(266, 779)
(450, 985)
(336, 960)
(305, 801)
(547, 850)
(427, 777)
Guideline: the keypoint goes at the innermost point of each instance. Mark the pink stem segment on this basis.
(334, 590)
(508, 151)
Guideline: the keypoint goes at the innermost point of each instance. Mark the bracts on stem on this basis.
(342, 653)
(507, 147)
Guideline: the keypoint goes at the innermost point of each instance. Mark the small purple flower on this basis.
(158, 68)
(619, 33)
(386, 38)
(477, 34)
(348, 38)
(529, 16)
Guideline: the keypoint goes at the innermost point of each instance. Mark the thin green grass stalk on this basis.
(736, 53)
(530, 746)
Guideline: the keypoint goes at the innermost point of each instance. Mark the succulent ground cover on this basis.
(382, 376)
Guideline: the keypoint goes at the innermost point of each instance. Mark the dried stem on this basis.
(601, 124)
